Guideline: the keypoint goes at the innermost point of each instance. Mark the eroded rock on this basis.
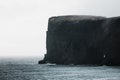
(83, 40)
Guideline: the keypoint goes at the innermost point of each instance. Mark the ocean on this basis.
(29, 69)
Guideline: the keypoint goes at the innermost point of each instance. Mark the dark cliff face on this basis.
(74, 40)
(83, 40)
(112, 41)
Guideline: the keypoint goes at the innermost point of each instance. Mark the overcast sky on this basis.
(23, 23)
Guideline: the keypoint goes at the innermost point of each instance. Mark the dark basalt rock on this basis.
(86, 40)
(41, 62)
(112, 41)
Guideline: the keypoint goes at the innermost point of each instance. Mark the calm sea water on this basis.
(28, 69)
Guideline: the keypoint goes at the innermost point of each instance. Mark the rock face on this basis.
(87, 40)
(112, 41)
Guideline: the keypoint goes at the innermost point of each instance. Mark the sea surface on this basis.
(28, 69)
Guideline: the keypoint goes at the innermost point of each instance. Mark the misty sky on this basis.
(23, 23)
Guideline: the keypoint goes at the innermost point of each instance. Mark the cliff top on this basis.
(74, 18)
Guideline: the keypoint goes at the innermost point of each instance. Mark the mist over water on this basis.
(26, 68)
(20, 60)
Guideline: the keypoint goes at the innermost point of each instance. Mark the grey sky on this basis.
(23, 23)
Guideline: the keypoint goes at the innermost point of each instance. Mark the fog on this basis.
(23, 23)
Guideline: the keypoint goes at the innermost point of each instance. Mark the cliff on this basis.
(112, 41)
(82, 40)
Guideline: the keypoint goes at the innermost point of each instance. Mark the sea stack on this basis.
(75, 40)
(83, 40)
